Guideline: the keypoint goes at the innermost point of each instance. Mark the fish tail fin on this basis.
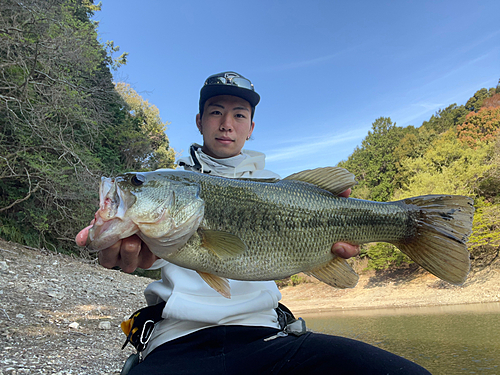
(444, 223)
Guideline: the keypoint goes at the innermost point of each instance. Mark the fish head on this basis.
(162, 207)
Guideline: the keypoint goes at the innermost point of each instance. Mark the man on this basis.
(202, 332)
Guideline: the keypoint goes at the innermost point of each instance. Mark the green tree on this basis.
(145, 145)
(382, 256)
(448, 167)
(413, 145)
(484, 243)
(476, 102)
(374, 163)
(446, 119)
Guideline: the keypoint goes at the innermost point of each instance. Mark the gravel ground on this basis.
(61, 315)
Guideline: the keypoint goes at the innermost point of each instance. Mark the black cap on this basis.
(228, 83)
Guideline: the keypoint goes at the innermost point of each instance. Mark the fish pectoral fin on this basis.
(219, 284)
(337, 273)
(333, 179)
(223, 244)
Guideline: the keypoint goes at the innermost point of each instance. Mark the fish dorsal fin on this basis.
(333, 179)
(337, 273)
(219, 284)
(223, 244)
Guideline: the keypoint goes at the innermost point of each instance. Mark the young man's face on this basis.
(226, 124)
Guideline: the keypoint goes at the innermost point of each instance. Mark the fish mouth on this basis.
(105, 234)
(105, 186)
(110, 223)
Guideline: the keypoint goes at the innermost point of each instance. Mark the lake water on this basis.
(462, 339)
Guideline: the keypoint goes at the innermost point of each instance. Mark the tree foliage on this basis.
(447, 168)
(457, 151)
(374, 163)
(146, 145)
(481, 126)
(476, 102)
(59, 116)
(446, 119)
(383, 256)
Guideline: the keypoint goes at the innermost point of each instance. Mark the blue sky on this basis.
(325, 70)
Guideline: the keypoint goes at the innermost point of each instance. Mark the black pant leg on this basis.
(325, 354)
(228, 350)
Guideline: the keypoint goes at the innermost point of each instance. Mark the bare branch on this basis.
(17, 201)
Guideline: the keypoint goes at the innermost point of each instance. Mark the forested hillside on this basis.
(63, 124)
(456, 152)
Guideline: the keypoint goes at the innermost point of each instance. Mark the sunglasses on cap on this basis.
(230, 80)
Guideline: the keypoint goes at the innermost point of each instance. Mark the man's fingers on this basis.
(110, 257)
(146, 257)
(345, 193)
(345, 250)
(129, 253)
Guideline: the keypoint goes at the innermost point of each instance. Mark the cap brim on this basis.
(210, 91)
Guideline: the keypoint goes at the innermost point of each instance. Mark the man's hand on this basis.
(128, 253)
(342, 249)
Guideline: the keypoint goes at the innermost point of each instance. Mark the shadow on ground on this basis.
(396, 277)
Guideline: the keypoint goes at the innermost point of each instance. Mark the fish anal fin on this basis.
(219, 284)
(333, 179)
(337, 273)
(223, 244)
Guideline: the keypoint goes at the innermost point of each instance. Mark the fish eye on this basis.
(137, 179)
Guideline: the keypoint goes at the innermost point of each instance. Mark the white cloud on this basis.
(306, 146)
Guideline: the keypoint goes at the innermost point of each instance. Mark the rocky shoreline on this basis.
(61, 315)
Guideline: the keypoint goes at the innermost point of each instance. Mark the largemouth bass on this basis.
(250, 230)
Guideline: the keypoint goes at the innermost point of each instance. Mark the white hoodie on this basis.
(192, 304)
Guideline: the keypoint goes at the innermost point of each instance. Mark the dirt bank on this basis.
(404, 288)
(61, 315)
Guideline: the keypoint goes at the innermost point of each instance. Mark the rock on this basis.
(54, 293)
(104, 325)
(3, 266)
